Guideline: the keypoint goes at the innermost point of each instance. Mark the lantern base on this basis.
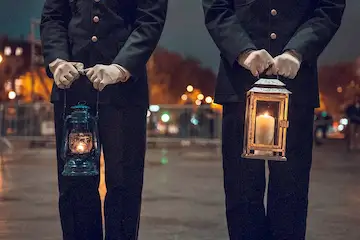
(80, 167)
(264, 157)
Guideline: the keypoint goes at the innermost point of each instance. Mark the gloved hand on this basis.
(102, 75)
(286, 64)
(64, 72)
(256, 61)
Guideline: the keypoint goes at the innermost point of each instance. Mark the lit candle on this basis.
(264, 132)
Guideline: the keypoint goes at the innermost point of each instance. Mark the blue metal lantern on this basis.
(81, 147)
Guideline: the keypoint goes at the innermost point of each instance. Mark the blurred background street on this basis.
(183, 194)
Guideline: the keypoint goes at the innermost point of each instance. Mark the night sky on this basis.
(185, 32)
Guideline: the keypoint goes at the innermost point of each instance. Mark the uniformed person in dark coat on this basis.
(112, 40)
(257, 38)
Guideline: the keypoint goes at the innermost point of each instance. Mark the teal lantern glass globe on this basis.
(81, 147)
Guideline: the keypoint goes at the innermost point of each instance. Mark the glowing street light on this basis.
(154, 108)
(7, 51)
(184, 97)
(1, 58)
(165, 117)
(19, 51)
(12, 95)
(200, 96)
(208, 99)
(190, 88)
(198, 102)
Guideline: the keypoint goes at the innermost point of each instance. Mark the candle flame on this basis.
(266, 114)
(80, 147)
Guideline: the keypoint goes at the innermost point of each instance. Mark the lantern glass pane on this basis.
(266, 122)
(80, 142)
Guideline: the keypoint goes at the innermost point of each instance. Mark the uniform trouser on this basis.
(245, 181)
(123, 140)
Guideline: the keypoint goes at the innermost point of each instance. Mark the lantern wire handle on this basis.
(97, 105)
(64, 111)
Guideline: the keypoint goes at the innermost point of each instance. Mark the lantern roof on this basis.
(270, 82)
(270, 90)
(264, 85)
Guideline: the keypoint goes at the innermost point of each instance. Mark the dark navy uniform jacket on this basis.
(123, 32)
(306, 26)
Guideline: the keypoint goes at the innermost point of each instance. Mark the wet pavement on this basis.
(183, 195)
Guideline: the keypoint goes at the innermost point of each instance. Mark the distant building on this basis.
(18, 57)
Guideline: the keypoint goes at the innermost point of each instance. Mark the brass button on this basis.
(273, 36)
(94, 39)
(273, 12)
(96, 19)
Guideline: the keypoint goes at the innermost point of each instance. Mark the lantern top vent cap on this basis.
(80, 106)
(269, 82)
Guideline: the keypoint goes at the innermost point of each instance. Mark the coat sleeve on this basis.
(314, 35)
(148, 26)
(54, 23)
(225, 29)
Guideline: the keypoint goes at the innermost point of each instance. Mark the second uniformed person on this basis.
(273, 37)
(113, 40)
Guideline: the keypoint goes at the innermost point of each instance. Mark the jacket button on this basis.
(94, 39)
(96, 19)
(273, 36)
(273, 12)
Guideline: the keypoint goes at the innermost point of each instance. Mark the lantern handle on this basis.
(65, 141)
(277, 76)
(97, 105)
(64, 110)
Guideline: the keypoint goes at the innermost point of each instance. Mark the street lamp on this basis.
(1, 58)
(208, 99)
(165, 117)
(7, 51)
(19, 51)
(190, 88)
(200, 96)
(184, 97)
(12, 95)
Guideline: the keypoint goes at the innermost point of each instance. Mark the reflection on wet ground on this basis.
(183, 195)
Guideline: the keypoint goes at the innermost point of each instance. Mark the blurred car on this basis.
(323, 122)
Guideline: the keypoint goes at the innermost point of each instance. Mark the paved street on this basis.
(183, 195)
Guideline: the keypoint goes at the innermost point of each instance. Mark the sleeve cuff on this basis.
(237, 54)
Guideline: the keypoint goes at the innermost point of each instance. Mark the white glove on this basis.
(103, 75)
(256, 61)
(65, 73)
(286, 65)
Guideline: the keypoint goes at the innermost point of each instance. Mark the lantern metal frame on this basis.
(266, 90)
